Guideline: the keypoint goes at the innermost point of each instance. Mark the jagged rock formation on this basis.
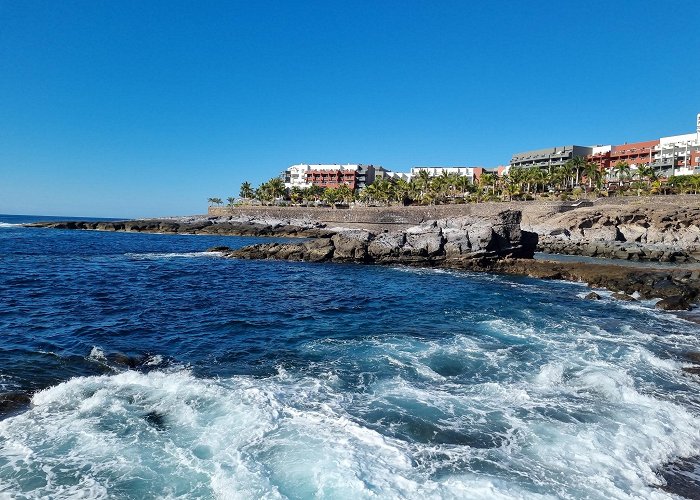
(439, 242)
(678, 288)
(655, 233)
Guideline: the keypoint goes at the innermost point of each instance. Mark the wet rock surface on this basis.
(644, 281)
(674, 303)
(447, 242)
(13, 402)
(494, 244)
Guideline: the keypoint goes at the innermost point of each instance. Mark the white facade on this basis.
(295, 176)
(678, 140)
(469, 172)
(673, 154)
(597, 150)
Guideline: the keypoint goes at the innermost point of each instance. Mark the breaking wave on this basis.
(571, 429)
(171, 255)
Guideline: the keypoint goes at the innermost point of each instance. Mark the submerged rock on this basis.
(12, 402)
(593, 296)
(673, 303)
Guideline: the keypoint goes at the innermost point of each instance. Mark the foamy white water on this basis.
(574, 428)
(171, 255)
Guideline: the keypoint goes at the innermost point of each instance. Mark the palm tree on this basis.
(536, 176)
(568, 170)
(215, 201)
(246, 190)
(382, 190)
(313, 193)
(463, 184)
(560, 177)
(487, 179)
(231, 200)
(438, 188)
(592, 173)
(414, 190)
(695, 182)
(423, 181)
(622, 169)
(330, 196)
(344, 193)
(277, 189)
(578, 163)
(296, 194)
(401, 191)
(648, 172)
(511, 186)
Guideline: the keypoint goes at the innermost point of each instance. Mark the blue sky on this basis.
(146, 108)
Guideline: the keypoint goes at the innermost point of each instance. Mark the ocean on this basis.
(157, 370)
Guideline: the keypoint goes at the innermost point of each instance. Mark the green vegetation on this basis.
(574, 180)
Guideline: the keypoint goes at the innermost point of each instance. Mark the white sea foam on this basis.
(171, 434)
(7, 224)
(173, 255)
(97, 354)
(154, 360)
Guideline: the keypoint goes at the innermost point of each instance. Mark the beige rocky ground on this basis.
(650, 230)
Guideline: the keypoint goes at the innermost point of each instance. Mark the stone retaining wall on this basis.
(397, 217)
(393, 215)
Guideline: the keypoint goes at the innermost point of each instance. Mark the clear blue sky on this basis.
(146, 108)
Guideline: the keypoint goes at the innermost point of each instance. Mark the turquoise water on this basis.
(156, 370)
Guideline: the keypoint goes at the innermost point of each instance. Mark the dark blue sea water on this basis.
(159, 371)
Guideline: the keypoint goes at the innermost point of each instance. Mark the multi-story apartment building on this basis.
(601, 156)
(353, 175)
(673, 155)
(549, 158)
(677, 154)
(634, 154)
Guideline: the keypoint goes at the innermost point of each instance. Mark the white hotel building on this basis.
(472, 173)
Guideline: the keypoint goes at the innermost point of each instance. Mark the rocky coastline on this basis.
(496, 244)
(488, 238)
(433, 243)
(224, 226)
(649, 232)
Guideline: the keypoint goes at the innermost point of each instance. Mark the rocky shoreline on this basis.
(224, 226)
(497, 241)
(496, 244)
(660, 233)
(438, 242)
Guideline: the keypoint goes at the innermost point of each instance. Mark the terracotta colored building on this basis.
(353, 175)
(635, 153)
(332, 178)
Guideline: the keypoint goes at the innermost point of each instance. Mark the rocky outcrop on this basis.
(449, 242)
(680, 286)
(645, 233)
(215, 225)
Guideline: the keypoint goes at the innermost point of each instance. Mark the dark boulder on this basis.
(13, 402)
(673, 303)
(219, 249)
